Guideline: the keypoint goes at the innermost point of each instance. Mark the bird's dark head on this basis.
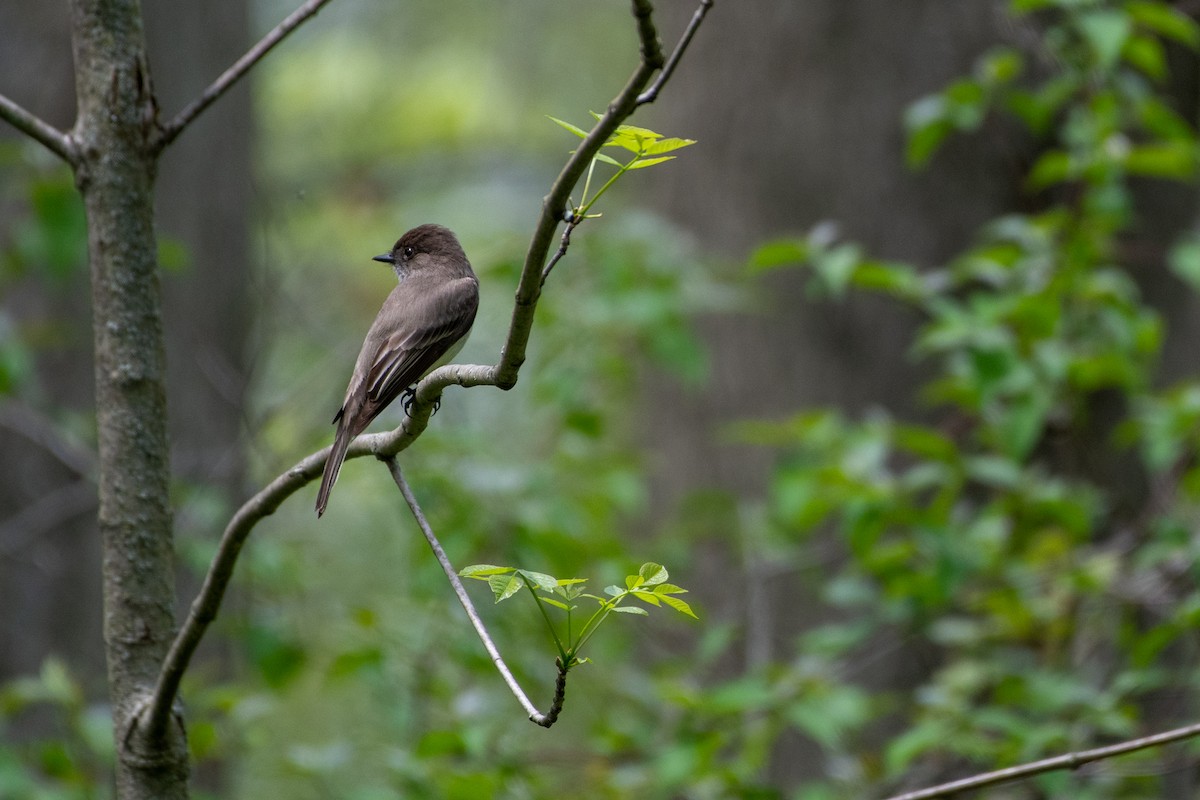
(424, 247)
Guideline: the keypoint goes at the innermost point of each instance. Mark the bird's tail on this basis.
(333, 465)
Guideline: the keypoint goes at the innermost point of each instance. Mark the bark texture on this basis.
(115, 174)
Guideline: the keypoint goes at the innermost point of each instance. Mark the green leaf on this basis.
(1165, 20)
(1053, 166)
(570, 592)
(779, 253)
(483, 570)
(1023, 424)
(1000, 66)
(898, 280)
(1163, 121)
(1163, 160)
(278, 660)
(580, 132)
(996, 471)
(556, 603)
(607, 159)
(927, 443)
(669, 588)
(1184, 261)
(649, 162)
(649, 597)
(505, 586)
(837, 266)
(634, 130)
(653, 573)
(1147, 55)
(631, 610)
(539, 580)
(924, 737)
(668, 145)
(57, 682)
(927, 125)
(679, 605)
(634, 139)
(1106, 32)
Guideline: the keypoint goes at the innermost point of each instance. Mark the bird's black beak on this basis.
(385, 258)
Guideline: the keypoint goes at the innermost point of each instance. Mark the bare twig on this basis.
(386, 445)
(1067, 761)
(651, 94)
(545, 720)
(36, 128)
(555, 204)
(171, 130)
(563, 244)
(37, 428)
(49, 511)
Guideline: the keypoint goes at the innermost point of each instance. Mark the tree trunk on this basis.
(116, 177)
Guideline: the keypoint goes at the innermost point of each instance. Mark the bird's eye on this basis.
(409, 252)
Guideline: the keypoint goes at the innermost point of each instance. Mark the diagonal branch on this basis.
(651, 94)
(1067, 761)
(170, 131)
(555, 204)
(263, 504)
(40, 430)
(38, 129)
(157, 709)
(560, 688)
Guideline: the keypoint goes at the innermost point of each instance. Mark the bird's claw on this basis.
(407, 398)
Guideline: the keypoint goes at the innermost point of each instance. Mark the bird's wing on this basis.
(404, 356)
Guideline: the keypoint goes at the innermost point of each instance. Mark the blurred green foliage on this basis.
(1040, 556)
(46, 239)
(72, 757)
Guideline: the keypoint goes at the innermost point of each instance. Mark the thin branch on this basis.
(171, 130)
(555, 204)
(651, 94)
(563, 244)
(46, 513)
(35, 127)
(39, 429)
(1068, 761)
(643, 13)
(385, 446)
(157, 712)
(545, 720)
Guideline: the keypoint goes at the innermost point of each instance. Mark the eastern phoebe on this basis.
(423, 324)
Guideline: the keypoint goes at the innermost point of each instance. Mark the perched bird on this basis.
(423, 324)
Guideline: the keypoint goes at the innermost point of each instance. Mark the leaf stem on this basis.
(624, 168)
(562, 652)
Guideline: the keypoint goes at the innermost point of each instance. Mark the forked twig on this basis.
(171, 130)
(545, 720)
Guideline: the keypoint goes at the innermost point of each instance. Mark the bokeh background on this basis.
(928, 531)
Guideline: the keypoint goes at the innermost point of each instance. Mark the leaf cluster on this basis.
(649, 585)
(646, 147)
(72, 756)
